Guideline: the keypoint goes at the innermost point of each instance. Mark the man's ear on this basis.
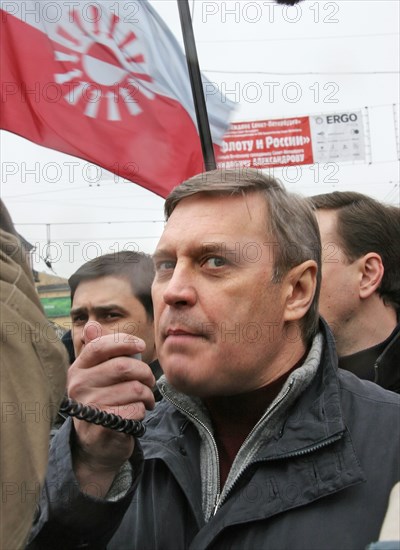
(371, 271)
(301, 282)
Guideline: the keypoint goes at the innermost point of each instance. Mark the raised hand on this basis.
(106, 375)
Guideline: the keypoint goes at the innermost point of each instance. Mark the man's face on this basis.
(218, 318)
(339, 287)
(110, 302)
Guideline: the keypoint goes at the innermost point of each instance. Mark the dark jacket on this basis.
(320, 481)
(380, 363)
(387, 366)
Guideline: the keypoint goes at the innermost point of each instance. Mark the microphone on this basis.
(102, 418)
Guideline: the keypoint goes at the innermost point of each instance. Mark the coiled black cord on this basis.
(102, 418)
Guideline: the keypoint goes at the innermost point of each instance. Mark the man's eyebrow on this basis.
(97, 309)
(220, 247)
(108, 306)
(76, 310)
(162, 253)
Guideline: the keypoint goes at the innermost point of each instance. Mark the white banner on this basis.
(338, 137)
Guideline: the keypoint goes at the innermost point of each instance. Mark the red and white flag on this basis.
(106, 82)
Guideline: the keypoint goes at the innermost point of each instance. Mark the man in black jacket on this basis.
(360, 292)
(259, 442)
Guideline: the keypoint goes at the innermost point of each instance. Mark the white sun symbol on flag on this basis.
(104, 74)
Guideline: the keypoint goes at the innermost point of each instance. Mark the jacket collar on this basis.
(387, 370)
(318, 419)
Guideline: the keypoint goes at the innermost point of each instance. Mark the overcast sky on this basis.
(275, 62)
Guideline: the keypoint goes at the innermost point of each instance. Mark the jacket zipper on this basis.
(219, 502)
(199, 422)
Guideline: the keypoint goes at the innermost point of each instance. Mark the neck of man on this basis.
(247, 408)
(372, 324)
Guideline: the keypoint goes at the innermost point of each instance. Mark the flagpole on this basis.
(197, 86)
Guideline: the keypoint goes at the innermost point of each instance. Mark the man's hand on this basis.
(106, 376)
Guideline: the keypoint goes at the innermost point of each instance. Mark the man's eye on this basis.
(165, 265)
(215, 261)
(112, 315)
(79, 320)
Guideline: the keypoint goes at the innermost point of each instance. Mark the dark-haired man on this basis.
(115, 291)
(360, 292)
(260, 441)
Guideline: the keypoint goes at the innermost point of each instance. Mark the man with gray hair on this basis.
(259, 441)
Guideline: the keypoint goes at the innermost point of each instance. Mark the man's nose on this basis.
(181, 290)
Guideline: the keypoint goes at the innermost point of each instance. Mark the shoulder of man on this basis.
(370, 412)
(366, 390)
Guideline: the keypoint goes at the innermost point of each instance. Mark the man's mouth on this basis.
(180, 332)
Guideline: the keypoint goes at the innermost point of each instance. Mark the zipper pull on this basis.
(215, 509)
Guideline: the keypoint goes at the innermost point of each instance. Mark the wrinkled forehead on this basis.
(205, 218)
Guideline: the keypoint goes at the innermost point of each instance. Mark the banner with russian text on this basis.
(266, 143)
(336, 137)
